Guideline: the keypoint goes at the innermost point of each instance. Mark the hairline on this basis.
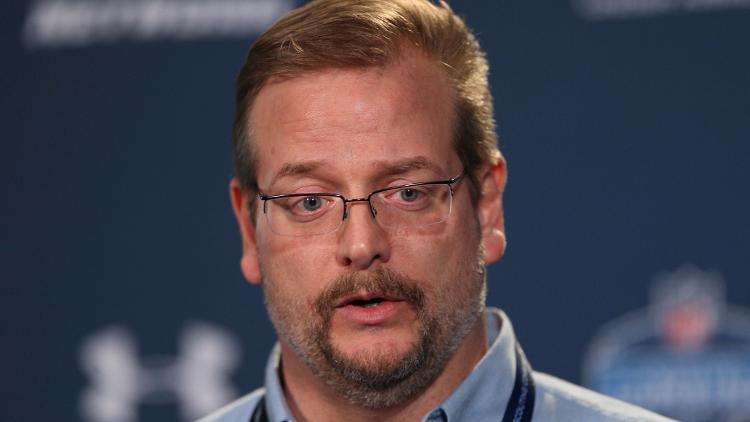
(398, 53)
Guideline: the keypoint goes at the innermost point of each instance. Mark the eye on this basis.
(409, 195)
(411, 198)
(310, 203)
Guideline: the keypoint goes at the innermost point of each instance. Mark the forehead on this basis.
(355, 121)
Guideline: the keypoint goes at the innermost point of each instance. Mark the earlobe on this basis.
(490, 207)
(249, 263)
(494, 246)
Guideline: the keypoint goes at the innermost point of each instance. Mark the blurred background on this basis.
(625, 124)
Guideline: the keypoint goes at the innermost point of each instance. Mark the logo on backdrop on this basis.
(595, 10)
(77, 23)
(686, 356)
(197, 379)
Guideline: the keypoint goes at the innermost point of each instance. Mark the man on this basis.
(368, 193)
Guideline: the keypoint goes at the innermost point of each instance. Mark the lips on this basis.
(366, 299)
(369, 308)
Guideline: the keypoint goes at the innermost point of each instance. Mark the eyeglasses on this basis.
(311, 214)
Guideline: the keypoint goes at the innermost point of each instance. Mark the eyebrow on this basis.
(397, 167)
(295, 169)
(406, 165)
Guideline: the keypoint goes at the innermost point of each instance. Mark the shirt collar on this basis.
(276, 406)
(483, 395)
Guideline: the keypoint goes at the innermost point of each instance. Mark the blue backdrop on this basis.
(625, 128)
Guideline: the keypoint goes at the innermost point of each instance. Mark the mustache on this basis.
(382, 281)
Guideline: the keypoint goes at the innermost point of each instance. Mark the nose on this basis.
(362, 243)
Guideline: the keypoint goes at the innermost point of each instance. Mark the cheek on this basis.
(295, 265)
(439, 257)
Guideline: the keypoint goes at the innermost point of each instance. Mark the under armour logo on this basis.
(198, 379)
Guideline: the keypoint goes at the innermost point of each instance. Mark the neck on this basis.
(310, 399)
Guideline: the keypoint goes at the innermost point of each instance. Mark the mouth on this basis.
(365, 299)
(367, 303)
(370, 308)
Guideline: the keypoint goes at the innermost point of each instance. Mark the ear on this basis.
(490, 209)
(249, 261)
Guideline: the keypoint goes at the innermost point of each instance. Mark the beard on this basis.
(377, 379)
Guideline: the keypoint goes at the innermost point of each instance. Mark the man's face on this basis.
(375, 313)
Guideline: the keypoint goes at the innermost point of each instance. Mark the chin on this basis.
(376, 349)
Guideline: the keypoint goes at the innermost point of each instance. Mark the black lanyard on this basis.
(520, 404)
(259, 414)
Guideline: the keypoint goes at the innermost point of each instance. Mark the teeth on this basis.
(370, 305)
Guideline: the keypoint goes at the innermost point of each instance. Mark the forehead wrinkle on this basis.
(408, 164)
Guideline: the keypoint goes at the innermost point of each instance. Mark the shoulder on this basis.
(558, 400)
(238, 410)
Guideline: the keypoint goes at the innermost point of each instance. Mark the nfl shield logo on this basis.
(686, 356)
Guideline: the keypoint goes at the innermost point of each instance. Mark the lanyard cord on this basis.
(521, 402)
(259, 414)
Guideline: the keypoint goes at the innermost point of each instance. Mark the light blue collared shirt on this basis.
(482, 396)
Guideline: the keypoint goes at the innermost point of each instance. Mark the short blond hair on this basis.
(362, 33)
